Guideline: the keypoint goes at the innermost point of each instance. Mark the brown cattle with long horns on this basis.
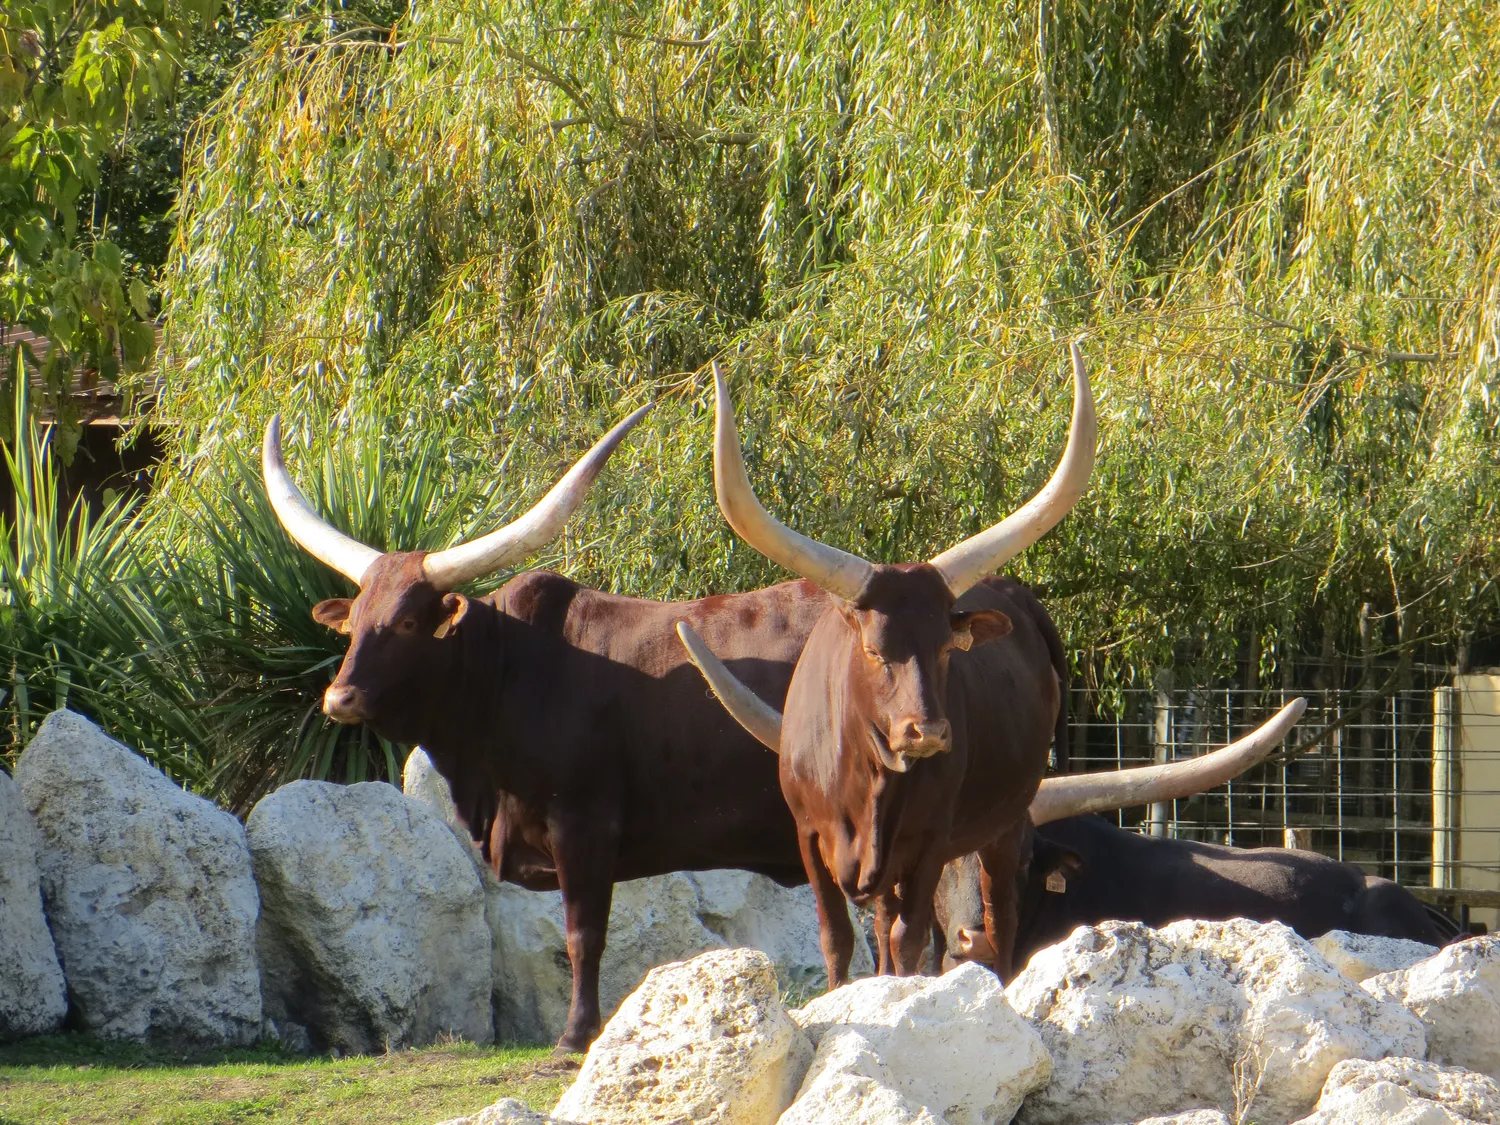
(577, 740)
(918, 720)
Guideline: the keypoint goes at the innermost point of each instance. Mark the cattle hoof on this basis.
(565, 1058)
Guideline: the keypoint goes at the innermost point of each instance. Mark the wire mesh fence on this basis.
(1406, 784)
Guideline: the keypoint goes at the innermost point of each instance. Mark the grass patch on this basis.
(77, 1080)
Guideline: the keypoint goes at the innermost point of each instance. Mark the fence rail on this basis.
(1364, 793)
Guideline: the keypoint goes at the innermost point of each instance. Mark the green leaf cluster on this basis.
(464, 244)
(75, 77)
(507, 222)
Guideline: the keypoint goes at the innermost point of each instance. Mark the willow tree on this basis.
(499, 225)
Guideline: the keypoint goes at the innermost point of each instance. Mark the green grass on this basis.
(75, 1080)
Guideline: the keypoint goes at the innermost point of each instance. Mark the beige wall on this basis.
(1478, 843)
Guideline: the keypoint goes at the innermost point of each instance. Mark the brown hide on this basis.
(581, 746)
(1084, 870)
(877, 824)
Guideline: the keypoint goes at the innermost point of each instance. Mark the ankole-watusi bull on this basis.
(1083, 870)
(918, 719)
(578, 742)
(960, 896)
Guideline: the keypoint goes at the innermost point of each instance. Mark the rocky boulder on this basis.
(652, 922)
(507, 1111)
(148, 890)
(421, 782)
(1361, 956)
(1239, 1016)
(941, 1050)
(1456, 994)
(706, 1040)
(1405, 1092)
(373, 933)
(33, 994)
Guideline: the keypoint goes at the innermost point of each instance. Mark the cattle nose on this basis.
(974, 945)
(920, 738)
(344, 703)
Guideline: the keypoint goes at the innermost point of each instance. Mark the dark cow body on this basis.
(882, 835)
(918, 721)
(1110, 873)
(580, 746)
(578, 741)
(596, 740)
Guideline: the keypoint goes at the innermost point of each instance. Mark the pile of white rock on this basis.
(346, 918)
(357, 918)
(1197, 1023)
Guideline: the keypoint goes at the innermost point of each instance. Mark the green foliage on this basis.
(76, 624)
(74, 76)
(185, 632)
(501, 225)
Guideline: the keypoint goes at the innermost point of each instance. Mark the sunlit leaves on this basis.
(506, 224)
(74, 76)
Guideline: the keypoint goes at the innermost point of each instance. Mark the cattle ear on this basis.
(333, 612)
(456, 606)
(1058, 863)
(976, 626)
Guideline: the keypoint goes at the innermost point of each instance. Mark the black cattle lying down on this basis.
(1084, 870)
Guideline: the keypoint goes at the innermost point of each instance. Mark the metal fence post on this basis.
(1447, 782)
(1161, 743)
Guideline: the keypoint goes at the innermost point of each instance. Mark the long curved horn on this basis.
(310, 531)
(524, 536)
(1069, 795)
(748, 709)
(987, 552)
(1075, 794)
(837, 571)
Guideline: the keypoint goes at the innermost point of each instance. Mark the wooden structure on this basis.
(100, 463)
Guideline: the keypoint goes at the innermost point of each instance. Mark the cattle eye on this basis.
(406, 625)
(874, 655)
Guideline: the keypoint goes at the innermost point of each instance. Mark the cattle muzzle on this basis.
(921, 738)
(973, 945)
(344, 703)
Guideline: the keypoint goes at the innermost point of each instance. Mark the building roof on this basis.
(99, 403)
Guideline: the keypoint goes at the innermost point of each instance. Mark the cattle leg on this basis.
(912, 929)
(835, 931)
(998, 866)
(585, 874)
(939, 947)
(886, 905)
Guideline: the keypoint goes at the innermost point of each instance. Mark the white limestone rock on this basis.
(706, 1040)
(148, 890)
(848, 1081)
(507, 1111)
(947, 1050)
(1361, 956)
(1456, 994)
(421, 782)
(652, 922)
(1200, 1014)
(33, 994)
(373, 932)
(1190, 1117)
(1405, 1092)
